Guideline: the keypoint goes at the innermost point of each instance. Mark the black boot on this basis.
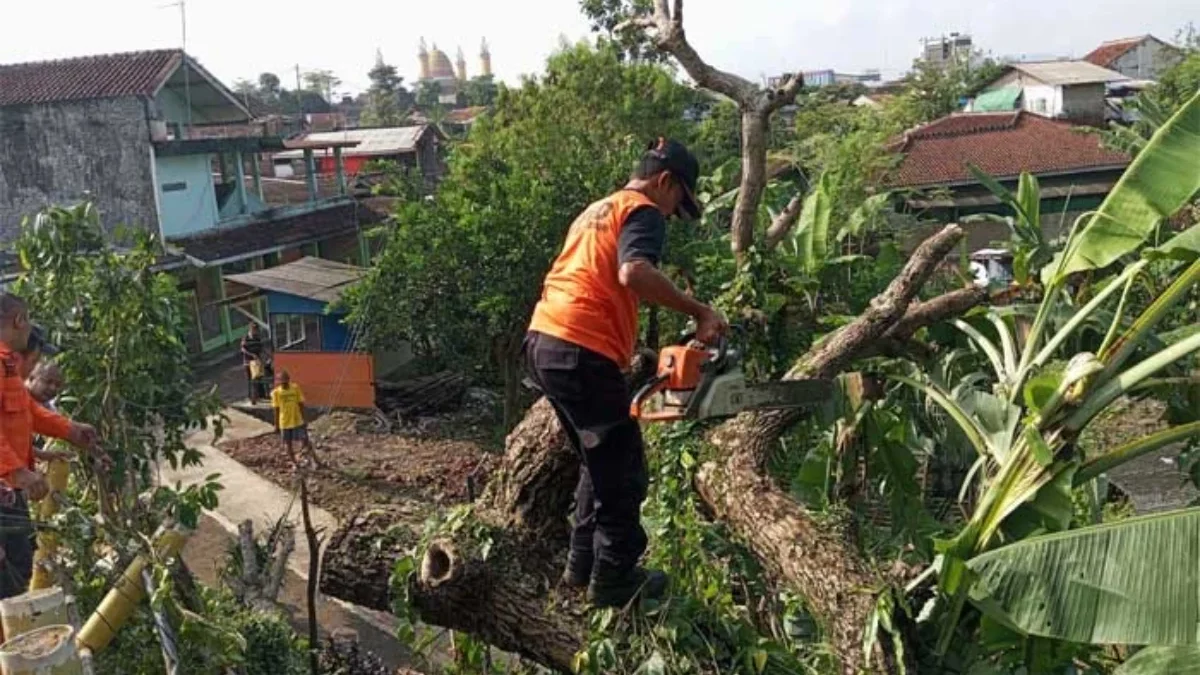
(578, 572)
(618, 591)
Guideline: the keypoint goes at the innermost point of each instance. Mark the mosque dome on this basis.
(439, 65)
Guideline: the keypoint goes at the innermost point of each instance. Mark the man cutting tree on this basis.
(580, 341)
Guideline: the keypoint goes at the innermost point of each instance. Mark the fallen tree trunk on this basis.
(496, 576)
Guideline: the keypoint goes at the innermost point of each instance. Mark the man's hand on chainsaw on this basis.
(710, 325)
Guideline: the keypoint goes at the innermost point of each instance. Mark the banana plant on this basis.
(1024, 430)
(1030, 247)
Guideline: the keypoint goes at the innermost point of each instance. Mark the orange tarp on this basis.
(338, 379)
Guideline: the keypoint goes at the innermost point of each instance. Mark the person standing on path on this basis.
(20, 418)
(581, 339)
(253, 349)
(288, 401)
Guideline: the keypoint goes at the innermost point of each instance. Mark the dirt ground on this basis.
(436, 462)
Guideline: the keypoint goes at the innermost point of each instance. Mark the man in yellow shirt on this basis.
(288, 401)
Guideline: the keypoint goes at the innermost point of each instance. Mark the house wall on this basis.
(54, 153)
(193, 208)
(1042, 99)
(172, 107)
(1083, 102)
(1146, 61)
(335, 337)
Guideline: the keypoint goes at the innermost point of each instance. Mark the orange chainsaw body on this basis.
(680, 371)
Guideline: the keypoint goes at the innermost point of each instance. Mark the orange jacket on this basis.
(21, 417)
(583, 301)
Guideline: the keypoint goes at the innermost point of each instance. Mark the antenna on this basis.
(187, 89)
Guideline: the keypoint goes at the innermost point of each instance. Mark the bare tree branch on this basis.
(671, 39)
(784, 222)
(945, 306)
(787, 93)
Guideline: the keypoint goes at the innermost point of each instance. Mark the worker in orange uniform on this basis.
(20, 419)
(580, 341)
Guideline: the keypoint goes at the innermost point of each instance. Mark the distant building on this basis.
(828, 77)
(1074, 170)
(945, 51)
(1074, 90)
(157, 143)
(435, 67)
(419, 147)
(1139, 58)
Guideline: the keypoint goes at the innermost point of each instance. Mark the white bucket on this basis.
(45, 651)
(35, 609)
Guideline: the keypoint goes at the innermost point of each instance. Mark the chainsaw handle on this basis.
(654, 386)
(722, 346)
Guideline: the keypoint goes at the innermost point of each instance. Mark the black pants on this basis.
(589, 393)
(16, 537)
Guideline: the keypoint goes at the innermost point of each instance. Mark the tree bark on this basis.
(754, 179)
(496, 577)
(784, 222)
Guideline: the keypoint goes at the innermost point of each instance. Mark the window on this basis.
(1039, 105)
(179, 186)
(296, 332)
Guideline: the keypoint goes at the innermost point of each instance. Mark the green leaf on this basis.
(1130, 582)
(1163, 177)
(812, 232)
(1163, 660)
(655, 665)
(1037, 444)
(1039, 390)
(1184, 246)
(1030, 200)
(760, 660)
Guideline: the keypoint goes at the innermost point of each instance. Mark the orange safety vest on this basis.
(21, 417)
(583, 302)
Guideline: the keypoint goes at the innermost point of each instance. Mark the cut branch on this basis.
(784, 222)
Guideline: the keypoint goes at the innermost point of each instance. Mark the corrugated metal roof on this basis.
(312, 278)
(371, 142)
(1068, 72)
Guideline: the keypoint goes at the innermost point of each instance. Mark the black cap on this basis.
(39, 342)
(665, 154)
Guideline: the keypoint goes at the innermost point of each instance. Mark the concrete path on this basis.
(246, 494)
(249, 496)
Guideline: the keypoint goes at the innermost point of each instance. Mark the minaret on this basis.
(461, 62)
(423, 55)
(485, 60)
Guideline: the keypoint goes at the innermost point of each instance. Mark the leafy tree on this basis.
(481, 90)
(935, 91)
(611, 19)
(428, 93)
(461, 273)
(383, 98)
(268, 84)
(322, 82)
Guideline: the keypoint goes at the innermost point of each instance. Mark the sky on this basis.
(237, 39)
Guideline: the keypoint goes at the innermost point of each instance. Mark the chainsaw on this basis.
(699, 382)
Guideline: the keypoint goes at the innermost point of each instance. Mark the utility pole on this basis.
(299, 93)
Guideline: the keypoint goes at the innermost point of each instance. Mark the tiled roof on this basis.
(1002, 144)
(89, 77)
(1110, 51)
(265, 236)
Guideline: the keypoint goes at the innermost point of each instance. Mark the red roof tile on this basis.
(1002, 144)
(89, 77)
(1110, 51)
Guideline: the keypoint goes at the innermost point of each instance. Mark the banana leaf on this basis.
(1163, 660)
(812, 232)
(1163, 177)
(1132, 582)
